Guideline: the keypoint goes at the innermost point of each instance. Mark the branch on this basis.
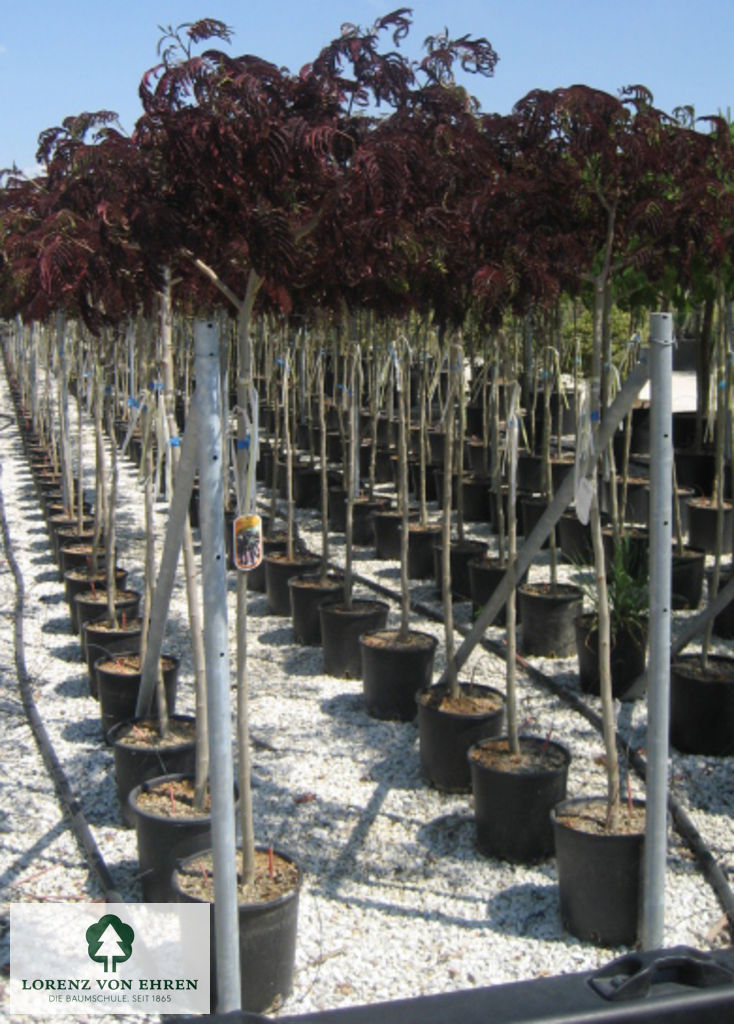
(216, 280)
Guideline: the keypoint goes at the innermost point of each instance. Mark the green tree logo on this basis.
(110, 942)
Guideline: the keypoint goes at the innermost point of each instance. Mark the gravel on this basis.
(396, 900)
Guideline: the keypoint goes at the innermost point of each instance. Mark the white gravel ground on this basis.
(396, 901)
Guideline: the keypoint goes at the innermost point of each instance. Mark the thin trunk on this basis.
(605, 675)
(448, 610)
(402, 377)
(511, 605)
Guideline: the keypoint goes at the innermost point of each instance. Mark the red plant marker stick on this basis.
(629, 796)
(124, 620)
(547, 741)
(271, 869)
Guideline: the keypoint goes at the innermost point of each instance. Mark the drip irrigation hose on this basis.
(79, 823)
(711, 869)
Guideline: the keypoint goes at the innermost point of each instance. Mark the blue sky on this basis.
(59, 57)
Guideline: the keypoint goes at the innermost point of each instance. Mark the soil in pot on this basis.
(547, 616)
(702, 705)
(394, 669)
(80, 579)
(514, 795)
(448, 726)
(341, 628)
(599, 871)
(100, 637)
(278, 571)
(168, 827)
(627, 655)
(118, 681)
(268, 916)
(307, 593)
(141, 753)
(92, 604)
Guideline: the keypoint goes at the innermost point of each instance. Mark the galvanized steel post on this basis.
(660, 614)
(216, 639)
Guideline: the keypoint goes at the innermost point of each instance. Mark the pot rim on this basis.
(287, 897)
(576, 801)
(118, 741)
(484, 687)
(411, 632)
(541, 772)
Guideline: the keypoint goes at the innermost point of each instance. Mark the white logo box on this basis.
(97, 958)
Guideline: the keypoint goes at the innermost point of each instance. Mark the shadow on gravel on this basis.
(83, 730)
(302, 662)
(450, 835)
(281, 635)
(528, 910)
(41, 544)
(73, 686)
(708, 783)
(47, 576)
(70, 652)
(57, 598)
(59, 624)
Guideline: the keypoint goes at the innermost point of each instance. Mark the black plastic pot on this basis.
(256, 576)
(475, 497)
(99, 639)
(362, 512)
(687, 572)
(307, 487)
(387, 529)
(94, 605)
(278, 571)
(512, 803)
(547, 619)
(136, 764)
(702, 515)
(162, 841)
(307, 593)
(341, 628)
(420, 550)
(485, 575)
(460, 554)
(627, 656)
(598, 878)
(394, 670)
(574, 539)
(118, 688)
(702, 705)
(445, 736)
(76, 581)
(267, 938)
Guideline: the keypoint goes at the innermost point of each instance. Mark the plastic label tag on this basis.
(247, 535)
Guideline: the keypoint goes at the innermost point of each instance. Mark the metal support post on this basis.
(660, 613)
(216, 639)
